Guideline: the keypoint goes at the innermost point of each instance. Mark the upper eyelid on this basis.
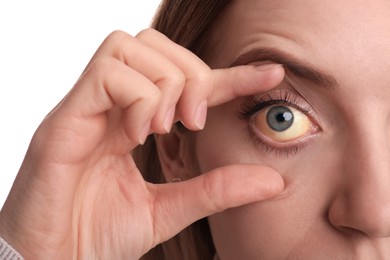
(297, 103)
(288, 95)
(288, 86)
(282, 97)
(289, 148)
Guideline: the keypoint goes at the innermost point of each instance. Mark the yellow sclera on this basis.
(301, 125)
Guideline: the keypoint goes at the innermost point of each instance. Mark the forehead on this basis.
(350, 26)
(334, 35)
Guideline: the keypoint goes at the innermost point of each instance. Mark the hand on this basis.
(79, 194)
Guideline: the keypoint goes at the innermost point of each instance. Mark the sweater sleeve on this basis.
(7, 252)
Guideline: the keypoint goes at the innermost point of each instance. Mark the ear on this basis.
(173, 152)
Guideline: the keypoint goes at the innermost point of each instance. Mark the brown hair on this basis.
(188, 23)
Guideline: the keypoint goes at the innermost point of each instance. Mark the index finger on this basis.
(243, 81)
(223, 85)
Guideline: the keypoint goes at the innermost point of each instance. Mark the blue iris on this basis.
(280, 118)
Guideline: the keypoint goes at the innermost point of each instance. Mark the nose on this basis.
(362, 202)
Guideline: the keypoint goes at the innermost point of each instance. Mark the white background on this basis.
(44, 46)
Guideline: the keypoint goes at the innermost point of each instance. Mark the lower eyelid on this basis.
(300, 125)
(279, 151)
(252, 106)
(287, 148)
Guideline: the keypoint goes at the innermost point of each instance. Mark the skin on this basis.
(79, 195)
(336, 202)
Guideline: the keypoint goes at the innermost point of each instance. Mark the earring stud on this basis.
(176, 179)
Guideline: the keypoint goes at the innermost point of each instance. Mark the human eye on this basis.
(280, 121)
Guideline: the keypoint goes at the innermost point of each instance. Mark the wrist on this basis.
(8, 252)
(7, 247)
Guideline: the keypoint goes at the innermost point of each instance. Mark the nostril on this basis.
(359, 221)
(351, 232)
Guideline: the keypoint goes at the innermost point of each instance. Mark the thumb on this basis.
(180, 204)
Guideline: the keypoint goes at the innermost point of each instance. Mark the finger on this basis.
(180, 204)
(204, 87)
(197, 73)
(244, 81)
(132, 52)
(154, 65)
(108, 83)
(224, 85)
(198, 78)
(187, 61)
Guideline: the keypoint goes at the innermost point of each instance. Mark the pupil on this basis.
(280, 118)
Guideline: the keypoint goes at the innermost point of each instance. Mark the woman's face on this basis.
(326, 129)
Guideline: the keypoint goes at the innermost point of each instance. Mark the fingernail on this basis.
(200, 115)
(270, 66)
(144, 133)
(168, 120)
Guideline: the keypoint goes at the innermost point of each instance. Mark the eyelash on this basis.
(258, 103)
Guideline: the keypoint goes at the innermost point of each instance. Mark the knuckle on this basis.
(204, 76)
(172, 80)
(101, 66)
(214, 190)
(145, 33)
(153, 95)
(117, 35)
(102, 72)
(201, 79)
(117, 42)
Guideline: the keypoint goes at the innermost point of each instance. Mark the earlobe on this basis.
(170, 153)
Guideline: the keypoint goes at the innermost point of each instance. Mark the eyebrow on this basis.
(295, 66)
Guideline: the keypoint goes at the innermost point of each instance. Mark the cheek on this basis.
(226, 140)
(276, 228)
(221, 142)
(293, 227)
